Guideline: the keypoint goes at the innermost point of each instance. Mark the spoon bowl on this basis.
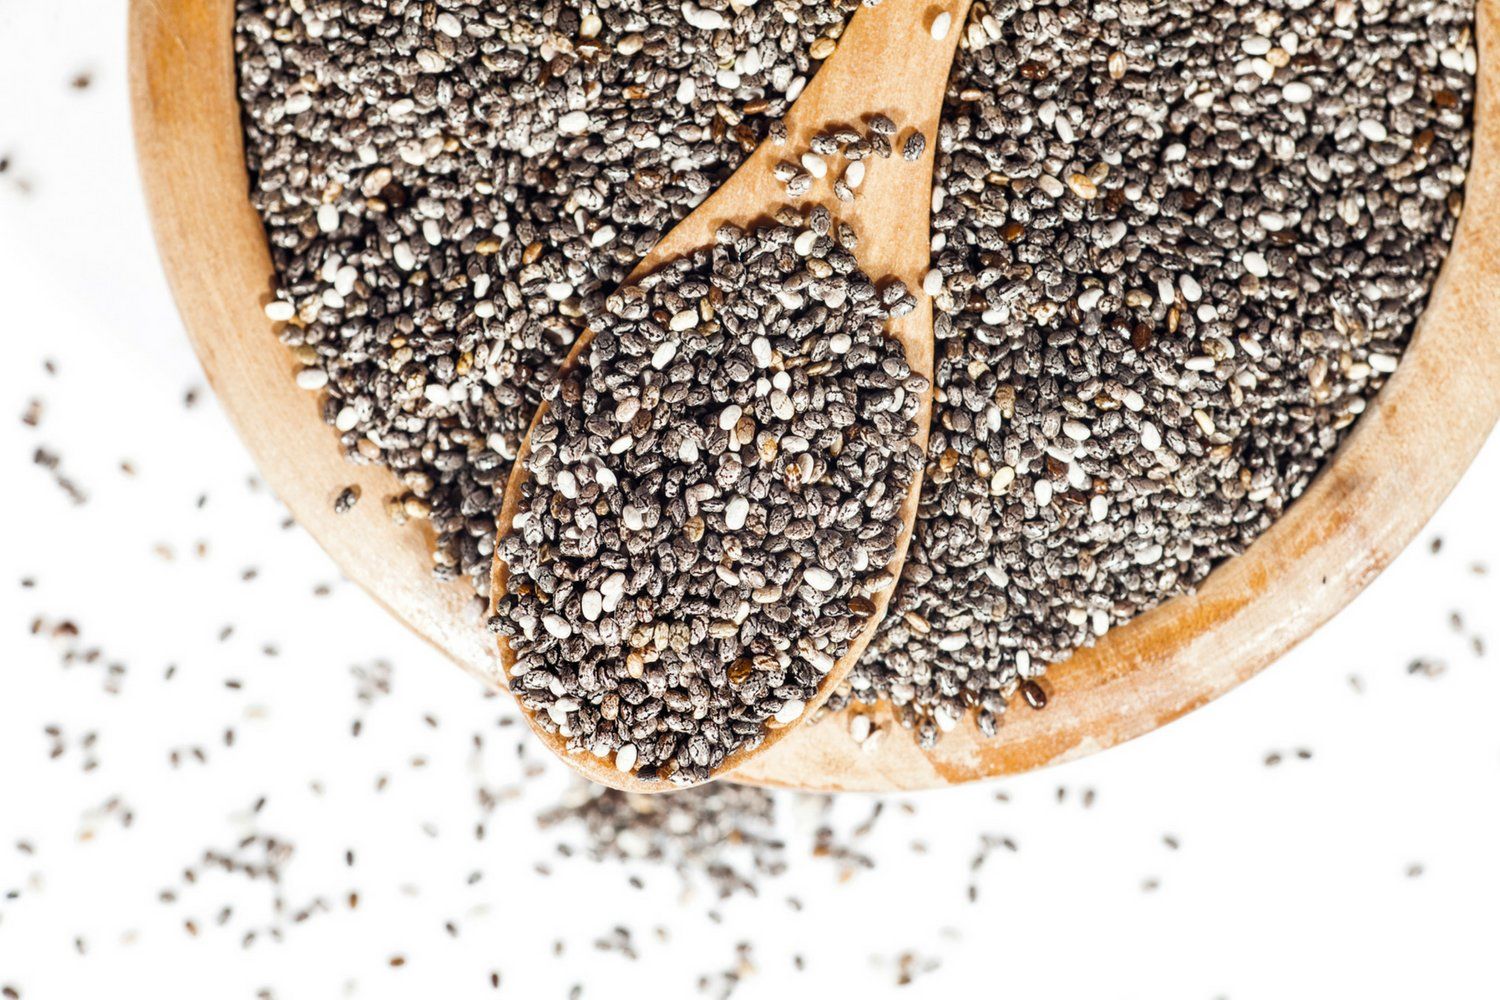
(888, 213)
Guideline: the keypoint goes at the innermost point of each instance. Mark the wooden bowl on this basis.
(1402, 458)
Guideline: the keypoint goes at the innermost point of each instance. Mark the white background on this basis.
(1369, 870)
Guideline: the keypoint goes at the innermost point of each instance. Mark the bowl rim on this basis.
(1394, 468)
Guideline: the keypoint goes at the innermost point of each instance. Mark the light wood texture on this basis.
(1402, 459)
(891, 214)
(213, 247)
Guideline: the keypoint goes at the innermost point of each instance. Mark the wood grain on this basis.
(1402, 459)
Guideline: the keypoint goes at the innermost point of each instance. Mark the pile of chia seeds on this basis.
(1183, 244)
(714, 497)
(450, 188)
(1178, 248)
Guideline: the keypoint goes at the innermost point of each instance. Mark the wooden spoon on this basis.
(892, 60)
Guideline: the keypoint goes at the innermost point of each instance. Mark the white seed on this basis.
(781, 405)
(818, 578)
(312, 378)
(704, 20)
(730, 416)
(854, 174)
(735, 513)
(625, 758)
(803, 244)
(593, 605)
(940, 25)
(932, 282)
(684, 320)
(815, 165)
(1296, 92)
(405, 259)
(1150, 436)
(821, 661)
(665, 353)
(1273, 222)
(1373, 130)
(953, 642)
(1099, 508)
(557, 626)
(346, 419)
(328, 218)
(791, 711)
(760, 350)
(278, 311)
(1255, 263)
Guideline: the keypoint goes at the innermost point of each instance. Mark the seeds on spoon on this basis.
(670, 601)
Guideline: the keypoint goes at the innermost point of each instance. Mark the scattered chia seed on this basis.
(914, 146)
(721, 831)
(715, 493)
(345, 501)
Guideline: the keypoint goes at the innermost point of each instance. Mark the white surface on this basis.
(1291, 881)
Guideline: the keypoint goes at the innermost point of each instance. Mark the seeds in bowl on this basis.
(1179, 254)
(714, 498)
